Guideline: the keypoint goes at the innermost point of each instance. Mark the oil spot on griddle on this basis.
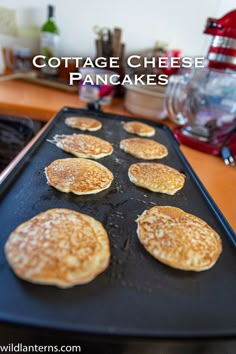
(37, 173)
(126, 244)
(45, 197)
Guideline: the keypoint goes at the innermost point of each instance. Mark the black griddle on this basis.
(136, 296)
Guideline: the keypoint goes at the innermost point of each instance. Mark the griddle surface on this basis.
(136, 295)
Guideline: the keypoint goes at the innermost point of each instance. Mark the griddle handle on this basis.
(94, 106)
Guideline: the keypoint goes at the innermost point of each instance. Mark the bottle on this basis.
(49, 41)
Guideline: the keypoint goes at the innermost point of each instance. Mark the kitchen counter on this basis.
(41, 103)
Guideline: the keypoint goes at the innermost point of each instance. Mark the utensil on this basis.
(103, 42)
(116, 42)
(101, 32)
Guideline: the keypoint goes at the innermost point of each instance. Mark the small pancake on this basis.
(156, 177)
(83, 123)
(58, 247)
(81, 145)
(79, 176)
(144, 148)
(139, 128)
(179, 239)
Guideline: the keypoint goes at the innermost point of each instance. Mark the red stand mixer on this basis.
(222, 52)
(204, 101)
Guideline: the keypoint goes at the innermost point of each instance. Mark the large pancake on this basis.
(179, 239)
(79, 176)
(144, 148)
(83, 123)
(59, 247)
(156, 177)
(139, 128)
(82, 145)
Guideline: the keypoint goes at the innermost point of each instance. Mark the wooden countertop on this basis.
(21, 98)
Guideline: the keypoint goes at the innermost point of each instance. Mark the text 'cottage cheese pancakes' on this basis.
(179, 239)
(79, 176)
(59, 247)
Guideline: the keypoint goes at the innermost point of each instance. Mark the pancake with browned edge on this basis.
(156, 177)
(179, 239)
(146, 149)
(139, 128)
(82, 145)
(79, 176)
(83, 123)
(59, 247)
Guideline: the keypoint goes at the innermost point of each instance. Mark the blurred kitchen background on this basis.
(204, 103)
(179, 23)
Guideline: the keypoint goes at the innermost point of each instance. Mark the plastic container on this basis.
(92, 92)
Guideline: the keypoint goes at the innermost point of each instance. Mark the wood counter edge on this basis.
(29, 112)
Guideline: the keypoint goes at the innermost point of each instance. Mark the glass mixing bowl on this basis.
(203, 100)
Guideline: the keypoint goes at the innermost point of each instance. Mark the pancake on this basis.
(83, 123)
(144, 148)
(81, 145)
(139, 128)
(179, 239)
(58, 247)
(79, 176)
(156, 177)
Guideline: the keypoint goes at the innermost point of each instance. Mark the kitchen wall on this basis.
(226, 6)
(180, 23)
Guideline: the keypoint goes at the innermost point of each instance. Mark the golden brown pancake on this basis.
(144, 148)
(83, 123)
(139, 128)
(179, 239)
(81, 145)
(156, 177)
(59, 247)
(79, 176)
